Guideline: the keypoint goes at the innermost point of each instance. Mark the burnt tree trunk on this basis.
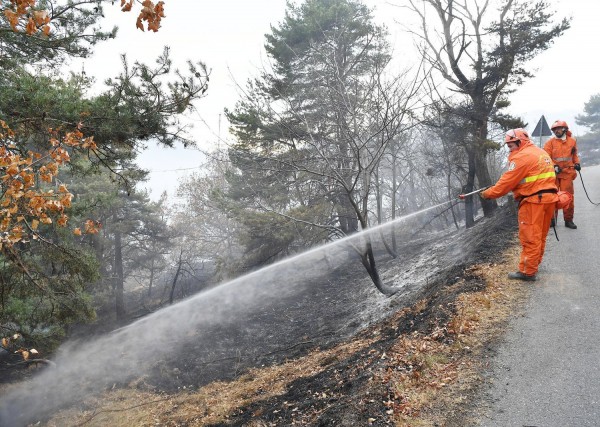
(469, 205)
(482, 172)
(368, 260)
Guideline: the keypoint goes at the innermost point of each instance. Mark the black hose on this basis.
(586, 193)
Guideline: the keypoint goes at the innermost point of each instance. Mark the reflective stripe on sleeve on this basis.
(562, 159)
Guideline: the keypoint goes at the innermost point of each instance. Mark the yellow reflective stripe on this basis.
(540, 176)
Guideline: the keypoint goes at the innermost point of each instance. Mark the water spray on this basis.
(215, 323)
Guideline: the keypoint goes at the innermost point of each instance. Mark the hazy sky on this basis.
(228, 35)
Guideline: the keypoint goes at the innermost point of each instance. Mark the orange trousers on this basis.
(534, 222)
(567, 185)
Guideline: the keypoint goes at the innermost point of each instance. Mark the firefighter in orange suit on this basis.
(562, 148)
(531, 178)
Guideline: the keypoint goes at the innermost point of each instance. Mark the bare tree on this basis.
(202, 220)
(480, 49)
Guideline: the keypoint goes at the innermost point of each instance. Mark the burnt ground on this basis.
(340, 308)
(345, 392)
(332, 308)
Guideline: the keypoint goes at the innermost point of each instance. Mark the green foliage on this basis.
(132, 215)
(34, 97)
(486, 63)
(44, 290)
(268, 237)
(300, 41)
(49, 283)
(504, 120)
(525, 31)
(588, 147)
(74, 33)
(490, 144)
(591, 116)
(141, 104)
(588, 144)
(311, 132)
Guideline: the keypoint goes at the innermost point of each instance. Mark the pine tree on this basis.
(311, 132)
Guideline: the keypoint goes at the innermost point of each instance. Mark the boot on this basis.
(552, 222)
(522, 276)
(570, 224)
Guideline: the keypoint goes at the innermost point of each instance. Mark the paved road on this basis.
(547, 373)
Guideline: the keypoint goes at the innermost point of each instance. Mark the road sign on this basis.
(542, 128)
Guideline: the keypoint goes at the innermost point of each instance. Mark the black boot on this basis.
(570, 224)
(522, 276)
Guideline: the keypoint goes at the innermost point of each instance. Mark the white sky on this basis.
(228, 35)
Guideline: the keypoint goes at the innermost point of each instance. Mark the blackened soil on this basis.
(344, 394)
(341, 304)
(328, 309)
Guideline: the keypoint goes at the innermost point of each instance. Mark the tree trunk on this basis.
(179, 263)
(450, 197)
(366, 255)
(469, 210)
(378, 196)
(482, 172)
(347, 216)
(119, 278)
(151, 278)
(483, 176)
(394, 190)
(368, 260)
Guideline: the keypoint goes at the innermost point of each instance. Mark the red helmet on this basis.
(560, 124)
(516, 135)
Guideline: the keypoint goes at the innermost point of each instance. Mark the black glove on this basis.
(557, 169)
(480, 194)
(577, 167)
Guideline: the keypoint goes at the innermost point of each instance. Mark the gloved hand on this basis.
(557, 169)
(482, 191)
(577, 167)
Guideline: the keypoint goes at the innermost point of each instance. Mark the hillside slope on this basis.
(408, 360)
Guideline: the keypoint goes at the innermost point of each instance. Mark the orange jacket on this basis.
(563, 154)
(530, 170)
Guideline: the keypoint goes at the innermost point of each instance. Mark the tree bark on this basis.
(368, 260)
(469, 207)
(481, 168)
(150, 283)
(179, 264)
(119, 278)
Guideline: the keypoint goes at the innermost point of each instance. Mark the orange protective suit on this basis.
(531, 178)
(563, 153)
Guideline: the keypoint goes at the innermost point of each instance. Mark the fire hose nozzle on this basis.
(462, 196)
